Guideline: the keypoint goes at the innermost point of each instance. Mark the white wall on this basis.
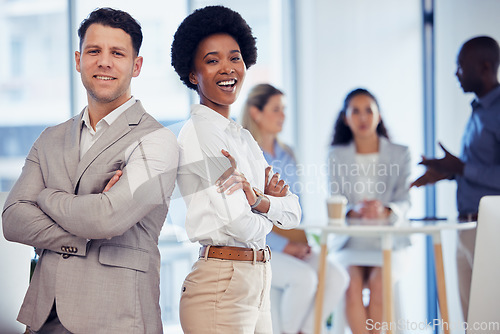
(360, 43)
(344, 45)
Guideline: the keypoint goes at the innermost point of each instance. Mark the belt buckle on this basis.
(267, 254)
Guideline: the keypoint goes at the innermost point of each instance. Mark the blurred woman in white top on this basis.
(294, 263)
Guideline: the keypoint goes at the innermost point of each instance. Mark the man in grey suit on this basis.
(98, 270)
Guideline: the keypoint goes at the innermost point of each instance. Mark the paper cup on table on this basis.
(336, 209)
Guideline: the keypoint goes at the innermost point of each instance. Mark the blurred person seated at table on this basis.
(294, 265)
(373, 173)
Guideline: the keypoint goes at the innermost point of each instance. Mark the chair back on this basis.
(484, 303)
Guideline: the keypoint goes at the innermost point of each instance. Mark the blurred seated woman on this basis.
(294, 265)
(373, 173)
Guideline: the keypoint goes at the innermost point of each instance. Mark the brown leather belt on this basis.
(235, 253)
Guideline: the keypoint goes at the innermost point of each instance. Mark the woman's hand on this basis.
(113, 180)
(299, 250)
(274, 187)
(232, 180)
(373, 209)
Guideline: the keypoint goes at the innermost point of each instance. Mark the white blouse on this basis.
(217, 218)
(364, 188)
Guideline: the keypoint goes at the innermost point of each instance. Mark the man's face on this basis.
(107, 62)
(469, 70)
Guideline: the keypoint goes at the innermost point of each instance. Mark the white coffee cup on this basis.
(336, 206)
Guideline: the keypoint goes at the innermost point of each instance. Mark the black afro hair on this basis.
(203, 23)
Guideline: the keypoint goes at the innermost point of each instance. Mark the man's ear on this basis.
(137, 66)
(487, 68)
(77, 60)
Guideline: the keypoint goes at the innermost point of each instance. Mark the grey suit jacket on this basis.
(392, 172)
(109, 284)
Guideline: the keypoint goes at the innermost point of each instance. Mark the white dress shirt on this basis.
(89, 136)
(215, 218)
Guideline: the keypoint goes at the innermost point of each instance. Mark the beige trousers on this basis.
(224, 296)
(465, 256)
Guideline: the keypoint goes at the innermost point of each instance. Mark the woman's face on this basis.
(270, 119)
(362, 116)
(219, 72)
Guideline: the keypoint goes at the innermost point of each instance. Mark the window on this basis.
(34, 81)
(158, 86)
(39, 85)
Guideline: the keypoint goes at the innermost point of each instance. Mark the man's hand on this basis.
(113, 180)
(430, 176)
(448, 165)
(274, 187)
(299, 250)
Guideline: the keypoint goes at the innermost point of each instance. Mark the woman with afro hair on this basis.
(231, 195)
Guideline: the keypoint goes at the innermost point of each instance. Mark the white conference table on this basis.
(360, 228)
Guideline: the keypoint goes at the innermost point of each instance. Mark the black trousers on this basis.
(52, 325)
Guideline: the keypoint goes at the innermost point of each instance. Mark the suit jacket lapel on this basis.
(119, 128)
(72, 147)
(383, 160)
(349, 159)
